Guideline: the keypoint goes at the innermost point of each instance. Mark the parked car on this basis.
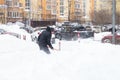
(108, 38)
(2, 31)
(69, 32)
(97, 29)
(88, 28)
(64, 32)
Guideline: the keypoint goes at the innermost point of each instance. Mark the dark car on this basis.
(108, 38)
(79, 28)
(64, 32)
(69, 32)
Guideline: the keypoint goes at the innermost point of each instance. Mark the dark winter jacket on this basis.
(44, 38)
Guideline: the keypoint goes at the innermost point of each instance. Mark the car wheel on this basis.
(106, 41)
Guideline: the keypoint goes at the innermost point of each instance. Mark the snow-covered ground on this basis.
(88, 59)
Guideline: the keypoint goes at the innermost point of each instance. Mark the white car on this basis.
(2, 31)
(34, 35)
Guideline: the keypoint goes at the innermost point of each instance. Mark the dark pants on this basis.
(45, 49)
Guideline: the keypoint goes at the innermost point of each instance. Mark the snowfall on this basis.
(85, 59)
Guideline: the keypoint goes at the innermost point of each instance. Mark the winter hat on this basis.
(48, 29)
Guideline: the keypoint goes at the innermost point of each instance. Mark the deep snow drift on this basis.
(87, 60)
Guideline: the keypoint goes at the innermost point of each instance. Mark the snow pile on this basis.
(14, 28)
(84, 60)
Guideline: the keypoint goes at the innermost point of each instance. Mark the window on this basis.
(48, 7)
(40, 7)
(61, 10)
(14, 14)
(27, 4)
(9, 14)
(61, 2)
(54, 11)
(77, 6)
(16, 3)
(20, 4)
(9, 3)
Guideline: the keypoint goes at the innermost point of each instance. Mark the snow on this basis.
(98, 36)
(88, 59)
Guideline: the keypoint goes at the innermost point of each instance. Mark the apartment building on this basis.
(51, 9)
(14, 10)
(75, 10)
(117, 11)
(92, 4)
(62, 10)
(118, 6)
(44, 14)
(3, 12)
(35, 10)
(86, 9)
(39, 10)
(56, 10)
(46, 10)
(69, 10)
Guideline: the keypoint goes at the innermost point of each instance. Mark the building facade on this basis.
(75, 11)
(3, 12)
(53, 10)
(14, 10)
(118, 6)
(43, 10)
(86, 11)
(62, 10)
(118, 12)
(92, 7)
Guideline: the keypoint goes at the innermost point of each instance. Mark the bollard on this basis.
(24, 37)
(78, 37)
(59, 45)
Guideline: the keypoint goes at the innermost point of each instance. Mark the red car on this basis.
(108, 38)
